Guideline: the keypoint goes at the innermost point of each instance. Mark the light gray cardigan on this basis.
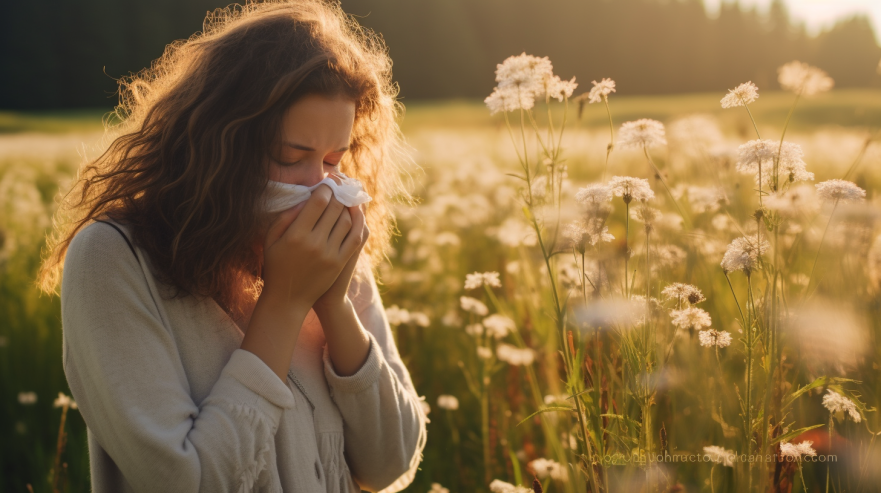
(172, 403)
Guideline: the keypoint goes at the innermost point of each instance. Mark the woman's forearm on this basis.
(347, 340)
(272, 332)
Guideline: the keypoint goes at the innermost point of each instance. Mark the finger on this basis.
(358, 234)
(329, 218)
(314, 208)
(281, 223)
(340, 230)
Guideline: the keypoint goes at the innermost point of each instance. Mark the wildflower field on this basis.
(597, 292)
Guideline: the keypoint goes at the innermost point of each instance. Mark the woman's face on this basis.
(315, 135)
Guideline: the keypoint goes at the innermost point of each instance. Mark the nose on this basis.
(314, 174)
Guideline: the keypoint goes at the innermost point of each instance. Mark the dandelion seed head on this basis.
(803, 79)
(741, 95)
(643, 132)
(840, 191)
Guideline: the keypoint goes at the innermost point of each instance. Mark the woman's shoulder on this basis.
(101, 244)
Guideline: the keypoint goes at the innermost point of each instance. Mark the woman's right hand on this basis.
(301, 258)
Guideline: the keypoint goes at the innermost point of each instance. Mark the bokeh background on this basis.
(670, 59)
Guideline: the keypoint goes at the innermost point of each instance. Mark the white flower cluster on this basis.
(743, 254)
(514, 355)
(630, 188)
(741, 95)
(546, 467)
(400, 316)
(691, 317)
(644, 132)
(797, 451)
(837, 403)
(499, 486)
(714, 338)
(478, 279)
(683, 292)
(803, 79)
(521, 79)
(758, 155)
(447, 402)
(720, 455)
(473, 305)
(840, 191)
(601, 90)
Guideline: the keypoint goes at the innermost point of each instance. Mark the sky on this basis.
(817, 14)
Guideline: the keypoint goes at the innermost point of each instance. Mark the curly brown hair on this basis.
(188, 163)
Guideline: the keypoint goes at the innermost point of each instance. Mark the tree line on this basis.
(61, 54)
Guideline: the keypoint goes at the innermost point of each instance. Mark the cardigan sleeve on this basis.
(125, 373)
(383, 421)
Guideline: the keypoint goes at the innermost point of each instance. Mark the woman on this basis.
(211, 343)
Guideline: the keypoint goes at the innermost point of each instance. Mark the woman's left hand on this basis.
(335, 297)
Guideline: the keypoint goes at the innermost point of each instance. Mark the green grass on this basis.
(848, 107)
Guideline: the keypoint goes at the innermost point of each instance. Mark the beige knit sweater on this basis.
(173, 404)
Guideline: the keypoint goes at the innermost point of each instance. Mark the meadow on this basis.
(567, 328)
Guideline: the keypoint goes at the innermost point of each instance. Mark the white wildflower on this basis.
(840, 191)
(513, 233)
(499, 486)
(680, 291)
(420, 319)
(645, 214)
(447, 238)
(510, 98)
(27, 398)
(803, 79)
(484, 352)
(514, 355)
(448, 402)
(690, 317)
(741, 95)
(711, 337)
(643, 132)
(499, 326)
(759, 155)
(839, 404)
(437, 488)
(558, 89)
(743, 254)
(720, 455)
(473, 305)
(630, 188)
(475, 330)
(797, 451)
(546, 467)
(524, 70)
(796, 201)
(478, 279)
(64, 400)
(601, 90)
(594, 194)
(397, 315)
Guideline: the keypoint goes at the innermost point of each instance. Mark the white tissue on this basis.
(280, 196)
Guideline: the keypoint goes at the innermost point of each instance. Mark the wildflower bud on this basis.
(627, 198)
(536, 485)
(571, 343)
(695, 298)
(759, 214)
